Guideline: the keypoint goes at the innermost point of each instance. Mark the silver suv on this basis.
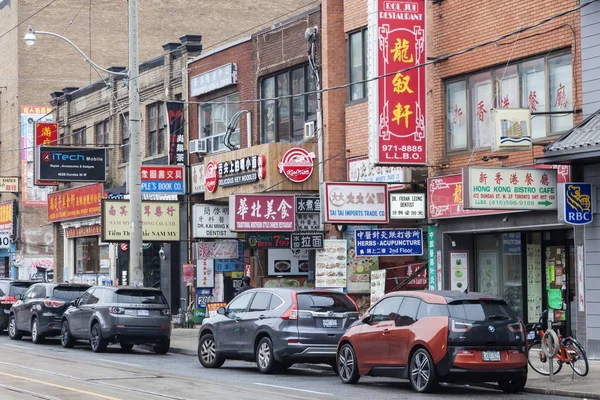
(277, 328)
(124, 315)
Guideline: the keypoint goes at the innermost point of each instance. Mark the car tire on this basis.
(36, 337)
(126, 347)
(422, 373)
(13, 333)
(347, 364)
(162, 347)
(207, 352)
(265, 357)
(513, 386)
(66, 339)
(97, 342)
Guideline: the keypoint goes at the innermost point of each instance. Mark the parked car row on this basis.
(99, 314)
(426, 337)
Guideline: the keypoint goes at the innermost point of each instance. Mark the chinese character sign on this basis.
(30, 115)
(254, 213)
(7, 215)
(177, 152)
(46, 134)
(358, 203)
(160, 221)
(397, 101)
(79, 202)
(389, 242)
(162, 179)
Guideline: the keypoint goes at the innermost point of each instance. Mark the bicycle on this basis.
(569, 350)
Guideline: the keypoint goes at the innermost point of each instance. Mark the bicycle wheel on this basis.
(578, 359)
(539, 362)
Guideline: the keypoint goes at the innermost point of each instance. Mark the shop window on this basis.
(124, 153)
(214, 118)
(357, 58)
(543, 84)
(87, 255)
(156, 129)
(78, 137)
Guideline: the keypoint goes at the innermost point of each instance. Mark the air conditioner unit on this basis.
(309, 129)
(198, 146)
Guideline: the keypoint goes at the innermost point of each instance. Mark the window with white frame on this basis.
(542, 84)
(214, 118)
(357, 58)
(156, 129)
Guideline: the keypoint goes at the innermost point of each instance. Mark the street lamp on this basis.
(136, 269)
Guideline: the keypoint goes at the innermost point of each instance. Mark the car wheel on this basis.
(163, 347)
(126, 346)
(347, 364)
(265, 359)
(13, 333)
(422, 373)
(35, 332)
(513, 386)
(97, 342)
(207, 352)
(66, 339)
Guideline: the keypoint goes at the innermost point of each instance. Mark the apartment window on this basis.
(124, 156)
(357, 57)
(214, 118)
(102, 133)
(541, 84)
(156, 129)
(79, 137)
(283, 120)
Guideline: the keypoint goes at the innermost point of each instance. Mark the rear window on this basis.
(68, 293)
(140, 297)
(481, 310)
(323, 302)
(18, 288)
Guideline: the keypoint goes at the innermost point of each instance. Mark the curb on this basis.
(560, 392)
(179, 350)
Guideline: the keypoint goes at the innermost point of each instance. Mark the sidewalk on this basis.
(185, 341)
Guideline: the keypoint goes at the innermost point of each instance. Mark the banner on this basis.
(177, 150)
(46, 134)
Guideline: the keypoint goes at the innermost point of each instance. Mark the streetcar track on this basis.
(27, 392)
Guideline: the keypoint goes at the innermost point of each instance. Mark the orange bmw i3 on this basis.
(429, 337)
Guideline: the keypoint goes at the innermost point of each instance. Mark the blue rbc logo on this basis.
(578, 203)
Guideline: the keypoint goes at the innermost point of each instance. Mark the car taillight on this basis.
(353, 302)
(461, 327)
(53, 303)
(165, 311)
(466, 352)
(8, 300)
(116, 310)
(292, 312)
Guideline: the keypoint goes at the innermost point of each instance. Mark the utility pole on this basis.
(136, 255)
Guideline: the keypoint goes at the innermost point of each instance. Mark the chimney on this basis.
(192, 43)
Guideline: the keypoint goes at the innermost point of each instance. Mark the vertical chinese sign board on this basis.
(46, 134)
(177, 152)
(431, 257)
(397, 99)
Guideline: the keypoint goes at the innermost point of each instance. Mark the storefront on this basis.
(8, 230)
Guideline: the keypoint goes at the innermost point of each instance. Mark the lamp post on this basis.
(136, 269)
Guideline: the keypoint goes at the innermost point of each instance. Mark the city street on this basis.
(48, 371)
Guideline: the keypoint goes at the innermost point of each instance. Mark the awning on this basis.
(580, 145)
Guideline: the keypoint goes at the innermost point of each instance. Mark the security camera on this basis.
(161, 253)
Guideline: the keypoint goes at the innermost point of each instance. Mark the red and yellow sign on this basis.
(92, 230)
(46, 134)
(7, 215)
(397, 101)
(79, 202)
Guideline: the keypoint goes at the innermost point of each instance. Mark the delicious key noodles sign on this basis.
(397, 101)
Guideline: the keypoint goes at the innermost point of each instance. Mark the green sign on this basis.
(199, 315)
(431, 257)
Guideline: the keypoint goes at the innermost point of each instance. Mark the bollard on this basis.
(550, 348)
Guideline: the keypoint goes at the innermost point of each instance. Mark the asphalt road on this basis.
(47, 371)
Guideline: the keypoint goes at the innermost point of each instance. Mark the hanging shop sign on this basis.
(378, 279)
(288, 262)
(205, 273)
(307, 241)
(513, 129)
(217, 78)
(211, 176)
(168, 179)
(222, 249)
(268, 240)
(431, 257)
(211, 221)
(360, 169)
(231, 264)
(46, 134)
(308, 205)
(575, 203)
(160, 221)
(260, 213)
(330, 268)
(397, 102)
(30, 194)
(389, 242)
(241, 171)
(79, 202)
(9, 185)
(197, 171)
(177, 151)
(71, 164)
(459, 270)
(509, 188)
(407, 206)
(308, 222)
(297, 164)
(355, 203)
(82, 231)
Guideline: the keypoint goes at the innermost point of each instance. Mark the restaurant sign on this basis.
(355, 203)
(241, 171)
(160, 221)
(509, 188)
(307, 241)
(268, 240)
(297, 164)
(262, 213)
(308, 205)
(79, 202)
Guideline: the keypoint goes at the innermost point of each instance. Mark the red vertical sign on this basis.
(46, 134)
(397, 100)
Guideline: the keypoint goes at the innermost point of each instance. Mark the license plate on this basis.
(143, 313)
(491, 356)
(330, 323)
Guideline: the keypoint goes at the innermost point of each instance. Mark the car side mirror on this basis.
(18, 296)
(221, 311)
(76, 303)
(366, 319)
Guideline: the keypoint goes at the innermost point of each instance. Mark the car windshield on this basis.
(68, 293)
(18, 288)
(323, 302)
(133, 296)
(481, 310)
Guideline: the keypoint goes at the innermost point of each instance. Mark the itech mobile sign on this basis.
(71, 164)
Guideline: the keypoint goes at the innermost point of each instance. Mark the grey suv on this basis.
(123, 314)
(277, 328)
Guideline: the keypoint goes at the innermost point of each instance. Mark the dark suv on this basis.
(122, 314)
(39, 310)
(277, 328)
(9, 290)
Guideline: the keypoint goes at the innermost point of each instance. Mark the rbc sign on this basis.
(575, 203)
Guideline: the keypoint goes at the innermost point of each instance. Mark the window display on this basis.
(86, 255)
